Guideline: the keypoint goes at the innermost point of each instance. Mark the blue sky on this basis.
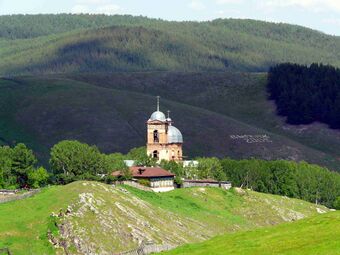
(323, 15)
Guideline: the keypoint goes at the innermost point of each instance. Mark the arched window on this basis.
(155, 154)
(155, 136)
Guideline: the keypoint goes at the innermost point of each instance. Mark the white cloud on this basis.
(332, 21)
(79, 8)
(108, 9)
(229, 1)
(313, 5)
(96, 7)
(93, 2)
(197, 5)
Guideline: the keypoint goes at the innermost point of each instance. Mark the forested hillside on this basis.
(97, 43)
(306, 94)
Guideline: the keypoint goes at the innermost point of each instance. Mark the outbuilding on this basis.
(159, 179)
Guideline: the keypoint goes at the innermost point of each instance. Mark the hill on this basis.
(103, 219)
(110, 110)
(36, 44)
(309, 236)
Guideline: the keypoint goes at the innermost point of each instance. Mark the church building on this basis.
(164, 140)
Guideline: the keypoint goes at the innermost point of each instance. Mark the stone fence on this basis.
(148, 248)
(18, 196)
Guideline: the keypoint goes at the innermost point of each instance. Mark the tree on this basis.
(175, 168)
(7, 178)
(210, 168)
(38, 177)
(72, 160)
(23, 161)
(141, 158)
(336, 204)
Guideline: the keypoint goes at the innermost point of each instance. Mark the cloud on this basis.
(196, 5)
(108, 9)
(332, 21)
(313, 5)
(79, 8)
(96, 7)
(229, 1)
(93, 2)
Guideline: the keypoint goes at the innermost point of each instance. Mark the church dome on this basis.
(157, 115)
(174, 135)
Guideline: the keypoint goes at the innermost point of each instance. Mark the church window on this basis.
(155, 136)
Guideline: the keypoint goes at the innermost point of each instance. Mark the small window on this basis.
(155, 154)
(155, 136)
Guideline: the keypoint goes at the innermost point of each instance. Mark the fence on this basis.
(148, 248)
(5, 251)
(19, 196)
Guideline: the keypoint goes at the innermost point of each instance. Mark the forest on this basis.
(306, 94)
(65, 43)
(72, 160)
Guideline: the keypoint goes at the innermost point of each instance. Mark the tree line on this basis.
(305, 94)
(72, 160)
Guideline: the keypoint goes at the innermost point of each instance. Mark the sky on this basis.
(323, 15)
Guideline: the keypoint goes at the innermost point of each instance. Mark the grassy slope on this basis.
(145, 44)
(41, 111)
(113, 219)
(316, 235)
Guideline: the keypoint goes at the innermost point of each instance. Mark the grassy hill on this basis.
(110, 110)
(105, 219)
(309, 236)
(96, 43)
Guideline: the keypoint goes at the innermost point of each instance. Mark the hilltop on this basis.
(40, 44)
(101, 218)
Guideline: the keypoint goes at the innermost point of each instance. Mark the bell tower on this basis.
(164, 141)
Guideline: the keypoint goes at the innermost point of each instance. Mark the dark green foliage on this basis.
(18, 168)
(140, 156)
(72, 160)
(175, 168)
(298, 180)
(210, 168)
(23, 161)
(38, 177)
(144, 182)
(306, 94)
(337, 203)
(98, 43)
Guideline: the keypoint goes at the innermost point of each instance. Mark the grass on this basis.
(315, 235)
(24, 223)
(110, 219)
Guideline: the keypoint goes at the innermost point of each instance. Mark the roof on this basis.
(146, 172)
(158, 115)
(174, 135)
(207, 181)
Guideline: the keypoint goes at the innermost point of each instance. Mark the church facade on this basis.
(164, 140)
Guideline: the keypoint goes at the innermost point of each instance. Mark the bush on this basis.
(144, 182)
(337, 203)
